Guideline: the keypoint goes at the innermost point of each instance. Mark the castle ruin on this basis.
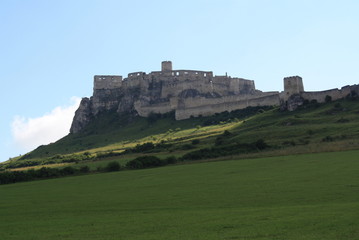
(189, 93)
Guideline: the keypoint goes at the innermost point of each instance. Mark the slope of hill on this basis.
(312, 128)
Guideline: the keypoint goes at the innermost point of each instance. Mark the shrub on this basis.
(219, 151)
(328, 139)
(314, 101)
(260, 144)
(352, 95)
(68, 171)
(290, 143)
(195, 141)
(113, 166)
(145, 162)
(108, 154)
(328, 98)
(219, 141)
(187, 147)
(171, 160)
(143, 147)
(153, 117)
(337, 105)
(84, 169)
(226, 133)
(343, 120)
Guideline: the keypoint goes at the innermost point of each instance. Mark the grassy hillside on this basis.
(312, 196)
(314, 127)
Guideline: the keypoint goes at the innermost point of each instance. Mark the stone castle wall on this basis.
(107, 81)
(335, 94)
(185, 108)
(211, 109)
(190, 93)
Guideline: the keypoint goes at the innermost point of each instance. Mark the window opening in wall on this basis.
(204, 74)
(173, 73)
(177, 73)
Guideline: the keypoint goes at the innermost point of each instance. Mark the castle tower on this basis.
(293, 85)
(166, 66)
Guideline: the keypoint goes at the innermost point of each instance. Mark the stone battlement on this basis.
(107, 81)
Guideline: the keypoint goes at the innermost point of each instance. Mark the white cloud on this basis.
(29, 133)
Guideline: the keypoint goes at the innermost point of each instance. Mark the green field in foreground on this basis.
(312, 196)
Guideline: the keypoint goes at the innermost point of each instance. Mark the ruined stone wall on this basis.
(208, 110)
(222, 85)
(181, 75)
(200, 101)
(174, 88)
(144, 111)
(133, 81)
(107, 81)
(335, 94)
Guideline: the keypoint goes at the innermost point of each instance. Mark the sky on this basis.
(50, 51)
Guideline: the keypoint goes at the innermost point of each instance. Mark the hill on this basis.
(312, 128)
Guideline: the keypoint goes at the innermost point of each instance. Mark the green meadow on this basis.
(309, 196)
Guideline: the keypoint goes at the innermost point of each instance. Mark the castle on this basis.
(189, 93)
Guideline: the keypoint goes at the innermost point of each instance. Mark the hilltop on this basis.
(190, 93)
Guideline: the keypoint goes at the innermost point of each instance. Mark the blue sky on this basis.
(50, 50)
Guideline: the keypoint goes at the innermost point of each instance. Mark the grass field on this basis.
(312, 196)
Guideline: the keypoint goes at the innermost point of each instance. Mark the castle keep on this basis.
(188, 93)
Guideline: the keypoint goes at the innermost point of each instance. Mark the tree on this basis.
(328, 99)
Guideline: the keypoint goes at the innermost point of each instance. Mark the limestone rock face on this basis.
(83, 116)
(117, 99)
(293, 102)
(127, 100)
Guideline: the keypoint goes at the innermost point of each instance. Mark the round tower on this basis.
(166, 66)
(293, 85)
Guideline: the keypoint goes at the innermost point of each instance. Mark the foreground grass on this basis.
(313, 196)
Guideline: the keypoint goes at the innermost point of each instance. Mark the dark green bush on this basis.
(84, 169)
(328, 139)
(328, 99)
(220, 151)
(145, 162)
(68, 171)
(170, 160)
(140, 148)
(113, 166)
(187, 147)
(260, 144)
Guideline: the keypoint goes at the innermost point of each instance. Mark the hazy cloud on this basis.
(29, 133)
